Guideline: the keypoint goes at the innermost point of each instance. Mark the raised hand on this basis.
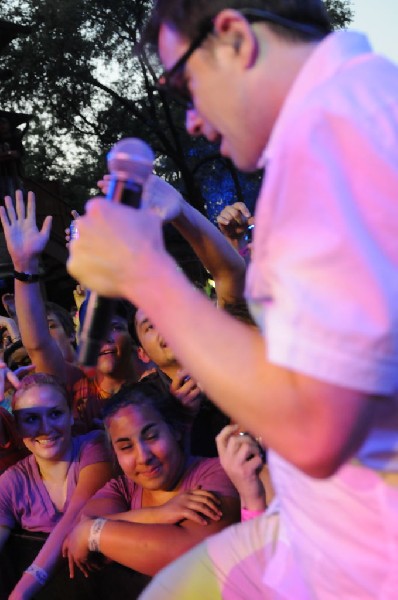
(107, 268)
(234, 220)
(242, 459)
(186, 390)
(25, 242)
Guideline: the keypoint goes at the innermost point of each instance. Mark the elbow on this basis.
(319, 469)
(319, 461)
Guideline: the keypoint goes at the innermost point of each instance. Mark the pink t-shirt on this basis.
(24, 500)
(206, 472)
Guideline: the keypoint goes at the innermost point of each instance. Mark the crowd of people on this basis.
(198, 398)
(59, 479)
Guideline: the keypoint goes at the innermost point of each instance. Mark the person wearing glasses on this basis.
(319, 110)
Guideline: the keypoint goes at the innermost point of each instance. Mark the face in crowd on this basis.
(44, 420)
(64, 341)
(116, 351)
(153, 344)
(148, 449)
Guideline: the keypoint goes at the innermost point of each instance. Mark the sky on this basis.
(378, 19)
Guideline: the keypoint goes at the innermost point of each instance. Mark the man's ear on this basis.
(142, 355)
(232, 28)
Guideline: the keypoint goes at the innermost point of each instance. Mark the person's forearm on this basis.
(49, 555)
(32, 320)
(146, 548)
(314, 425)
(29, 305)
(216, 254)
(151, 514)
(253, 497)
(114, 511)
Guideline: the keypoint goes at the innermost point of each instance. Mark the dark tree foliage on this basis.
(76, 74)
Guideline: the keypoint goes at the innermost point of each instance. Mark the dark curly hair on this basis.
(150, 391)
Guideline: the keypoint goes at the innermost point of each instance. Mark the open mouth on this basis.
(47, 442)
(106, 351)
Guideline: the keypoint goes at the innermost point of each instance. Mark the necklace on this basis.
(102, 393)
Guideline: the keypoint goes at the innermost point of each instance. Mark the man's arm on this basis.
(314, 425)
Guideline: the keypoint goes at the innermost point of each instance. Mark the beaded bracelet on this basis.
(38, 573)
(95, 534)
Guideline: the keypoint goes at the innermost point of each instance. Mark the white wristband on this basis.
(95, 534)
(38, 573)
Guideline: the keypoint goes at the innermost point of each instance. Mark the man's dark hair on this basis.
(188, 17)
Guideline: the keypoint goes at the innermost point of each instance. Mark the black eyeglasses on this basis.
(173, 83)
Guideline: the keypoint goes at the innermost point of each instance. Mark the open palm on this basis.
(24, 239)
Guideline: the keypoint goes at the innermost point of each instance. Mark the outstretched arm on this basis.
(221, 260)
(25, 243)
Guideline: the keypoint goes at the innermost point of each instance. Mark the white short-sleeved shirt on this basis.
(325, 257)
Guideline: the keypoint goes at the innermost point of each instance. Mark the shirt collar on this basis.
(328, 56)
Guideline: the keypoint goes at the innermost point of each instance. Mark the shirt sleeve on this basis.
(210, 475)
(94, 449)
(325, 251)
(118, 492)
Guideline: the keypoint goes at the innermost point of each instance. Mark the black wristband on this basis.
(27, 277)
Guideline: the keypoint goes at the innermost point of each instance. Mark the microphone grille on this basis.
(131, 158)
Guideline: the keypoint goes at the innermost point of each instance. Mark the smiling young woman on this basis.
(163, 493)
(46, 491)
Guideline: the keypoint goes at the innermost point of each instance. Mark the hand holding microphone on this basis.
(130, 164)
